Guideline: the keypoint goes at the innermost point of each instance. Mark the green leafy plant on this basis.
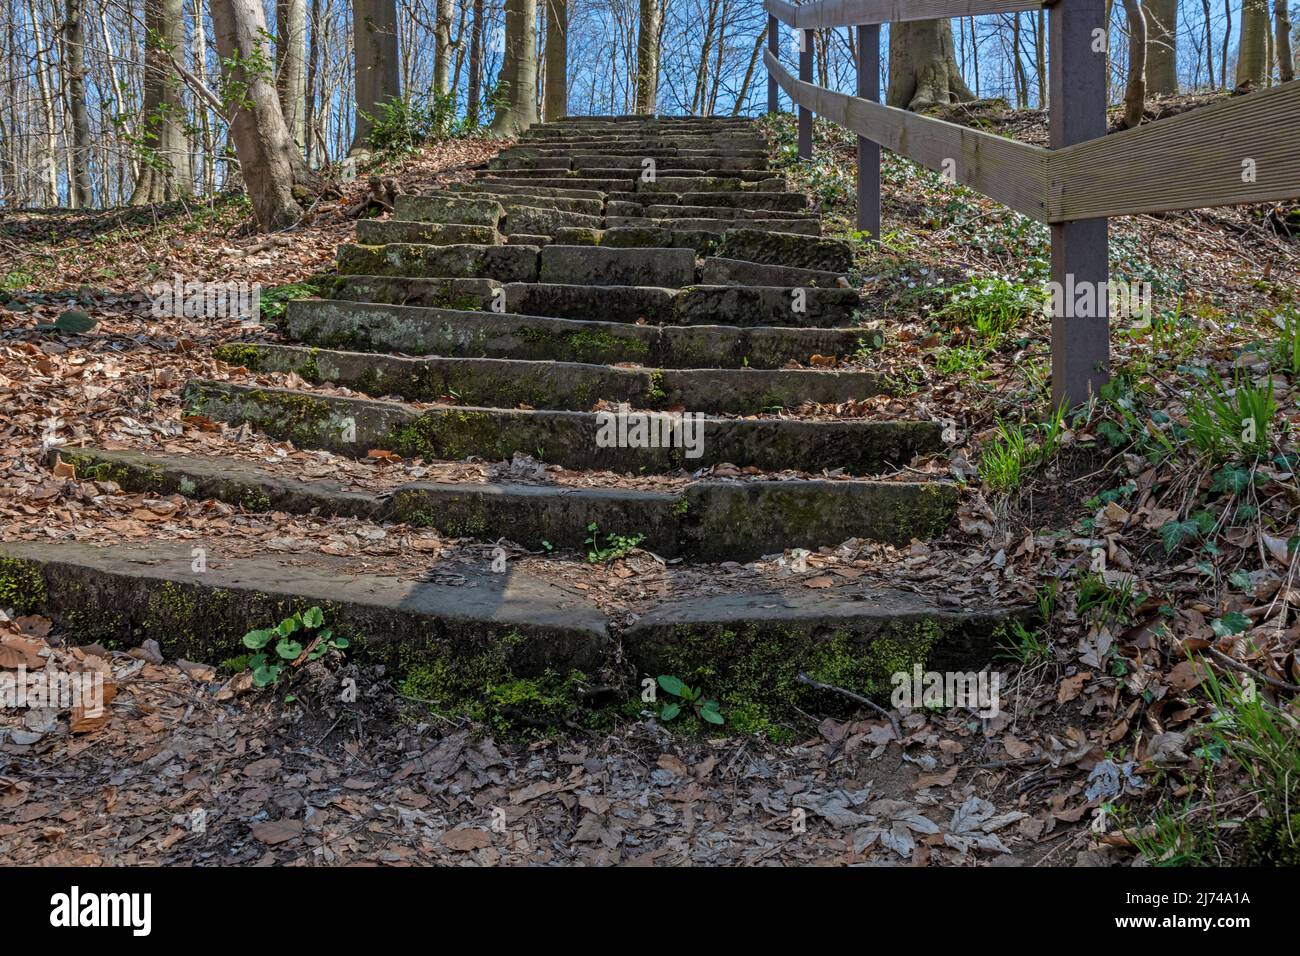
(615, 546)
(991, 307)
(304, 628)
(402, 125)
(687, 699)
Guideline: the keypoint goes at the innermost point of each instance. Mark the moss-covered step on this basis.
(786, 249)
(508, 383)
(545, 222)
(553, 182)
(718, 270)
(482, 187)
(711, 520)
(377, 232)
(594, 265)
(417, 330)
(716, 227)
(753, 306)
(504, 263)
(703, 164)
(747, 650)
(657, 211)
(355, 426)
(405, 290)
(418, 208)
(700, 184)
(123, 595)
(747, 199)
(447, 208)
(743, 157)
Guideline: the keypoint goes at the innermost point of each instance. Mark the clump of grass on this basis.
(991, 307)
(1230, 422)
(1014, 451)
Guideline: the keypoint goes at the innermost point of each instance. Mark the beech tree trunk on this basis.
(74, 82)
(518, 70)
(442, 47)
(1162, 46)
(473, 107)
(923, 68)
(1135, 91)
(1282, 29)
(555, 102)
(291, 65)
(269, 161)
(166, 172)
(647, 57)
(1252, 48)
(375, 64)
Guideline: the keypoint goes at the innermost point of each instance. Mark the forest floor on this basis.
(1156, 536)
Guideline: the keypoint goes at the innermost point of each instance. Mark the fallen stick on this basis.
(1273, 682)
(857, 698)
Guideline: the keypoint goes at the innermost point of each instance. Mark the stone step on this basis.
(786, 249)
(747, 199)
(595, 265)
(700, 184)
(724, 157)
(720, 271)
(446, 208)
(741, 216)
(355, 426)
(415, 208)
(538, 220)
(376, 232)
(567, 183)
(505, 263)
(482, 186)
(483, 630)
(694, 305)
(674, 223)
(419, 330)
(510, 383)
(710, 520)
(601, 161)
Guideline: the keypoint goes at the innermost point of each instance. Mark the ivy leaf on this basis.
(256, 640)
(1234, 622)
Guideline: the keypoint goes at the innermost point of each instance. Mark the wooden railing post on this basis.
(805, 74)
(1077, 112)
(869, 151)
(774, 45)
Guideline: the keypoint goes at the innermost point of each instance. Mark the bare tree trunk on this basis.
(749, 73)
(442, 47)
(473, 108)
(1162, 46)
(376, 64)
(1227, 34)
(647, 57)
(555, 103)
(290, 64)
(923, 66)
(309, 109)
(271, 165)
(518, 70)
(1252, 49)
(1282, 42)
(1040, 56)
(1135, 90)
(74, 85)
(169, 173)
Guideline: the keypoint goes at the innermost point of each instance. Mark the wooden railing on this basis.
(1240, 150)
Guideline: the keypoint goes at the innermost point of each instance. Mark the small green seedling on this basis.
(706, 710)
(290, 636)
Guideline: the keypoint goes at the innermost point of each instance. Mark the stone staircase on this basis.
(656, 264)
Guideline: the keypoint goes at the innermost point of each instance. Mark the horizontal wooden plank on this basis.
(1012, 173)
(1188, 161)
(848, 13)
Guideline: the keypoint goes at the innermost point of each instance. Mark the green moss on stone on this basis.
(450, 435)
(235, 353)
(22, 586)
